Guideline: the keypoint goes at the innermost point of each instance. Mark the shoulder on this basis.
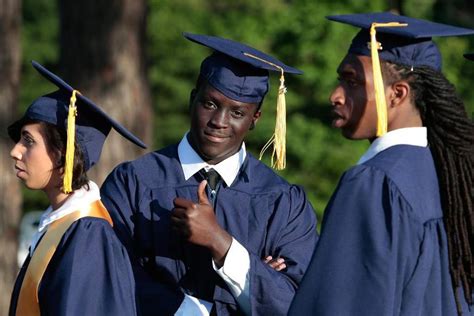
(262, 178)
(404, 172)
(84, 228)
(148, 168)
(158, 158)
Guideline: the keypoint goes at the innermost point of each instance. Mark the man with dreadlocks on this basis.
(397, 236)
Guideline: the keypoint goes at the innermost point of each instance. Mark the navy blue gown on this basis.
(262, 211)
(383, 247)
(89, 274)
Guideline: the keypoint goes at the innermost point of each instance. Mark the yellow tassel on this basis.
(278, 139)
(71, 133)
(382, 120)
(279, 146)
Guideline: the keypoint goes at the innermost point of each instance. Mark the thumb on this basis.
(202, 195)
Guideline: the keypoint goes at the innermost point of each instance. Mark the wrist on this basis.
(220, 246)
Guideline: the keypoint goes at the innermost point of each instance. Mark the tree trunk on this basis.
(102, 55)
(10, 195)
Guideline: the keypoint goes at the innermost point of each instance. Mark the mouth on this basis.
(18, 168)
(19, 171)
(215, 138)
(338, 120)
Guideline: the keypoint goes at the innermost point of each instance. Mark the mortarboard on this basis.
(241, 72)
(401, 40)
(67, 109)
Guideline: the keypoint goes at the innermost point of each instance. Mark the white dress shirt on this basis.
(414, 136)
(79, 199)
(235, 271)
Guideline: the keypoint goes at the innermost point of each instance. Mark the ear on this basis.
(255, 119)
(399, 94)
(57, 158)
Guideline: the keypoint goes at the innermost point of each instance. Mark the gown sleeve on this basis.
(121, 194)
(89, 274)
(271, 292)
(368, 250)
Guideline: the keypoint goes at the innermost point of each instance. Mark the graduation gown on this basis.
(89, 274)
(260, 210)
(383, 247)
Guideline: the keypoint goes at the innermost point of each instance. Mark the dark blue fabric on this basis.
(235, 79)
(234, 74)
(263, 212)
(410, 45)
(383, 247)
(92, 124)
(89, 274)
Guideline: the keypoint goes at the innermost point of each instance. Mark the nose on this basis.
(337, 96)
(220, 119)
(16, 153)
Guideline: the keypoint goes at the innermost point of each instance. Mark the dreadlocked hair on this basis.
(451, 141)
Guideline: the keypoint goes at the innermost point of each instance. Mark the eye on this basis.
(209, 104)
(238, 114)
(348, 82)
(28, 140)
(351, 83)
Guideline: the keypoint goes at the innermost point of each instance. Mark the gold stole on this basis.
(28, 303)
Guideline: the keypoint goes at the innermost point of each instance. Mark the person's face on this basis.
(353, 100)
(218, 123)
(34, 165)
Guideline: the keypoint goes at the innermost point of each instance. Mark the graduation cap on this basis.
(398, 39)
(67, 109)
(241, 73)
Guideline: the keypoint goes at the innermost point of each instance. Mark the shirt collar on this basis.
(191, 162)
(78, 199)
(414, 136)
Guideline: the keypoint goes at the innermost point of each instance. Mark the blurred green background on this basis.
(294, 31)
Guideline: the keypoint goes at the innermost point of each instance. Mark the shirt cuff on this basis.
(235, 273)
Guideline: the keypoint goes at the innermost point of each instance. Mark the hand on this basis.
(197, 223)
(278, 263)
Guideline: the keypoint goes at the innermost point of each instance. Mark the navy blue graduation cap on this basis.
(240, 72)
(409, 45)
(398, 39)
(67, 109)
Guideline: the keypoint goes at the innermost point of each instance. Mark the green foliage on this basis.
(294, 31)
(39, 41)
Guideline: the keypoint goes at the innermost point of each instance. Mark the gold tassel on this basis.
(278, 139)
(71, 133)
(382, 120)
(279, 146)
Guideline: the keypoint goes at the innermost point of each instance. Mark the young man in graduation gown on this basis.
(397, 235)
(199, 246)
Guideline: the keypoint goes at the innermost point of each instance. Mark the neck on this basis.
(56, 197)
(405, 115)
(407, 122)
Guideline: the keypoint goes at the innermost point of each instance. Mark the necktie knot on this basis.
(212, 177)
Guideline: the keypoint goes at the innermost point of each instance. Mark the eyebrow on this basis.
(350, 72)
(27, 133)
(346, 71)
